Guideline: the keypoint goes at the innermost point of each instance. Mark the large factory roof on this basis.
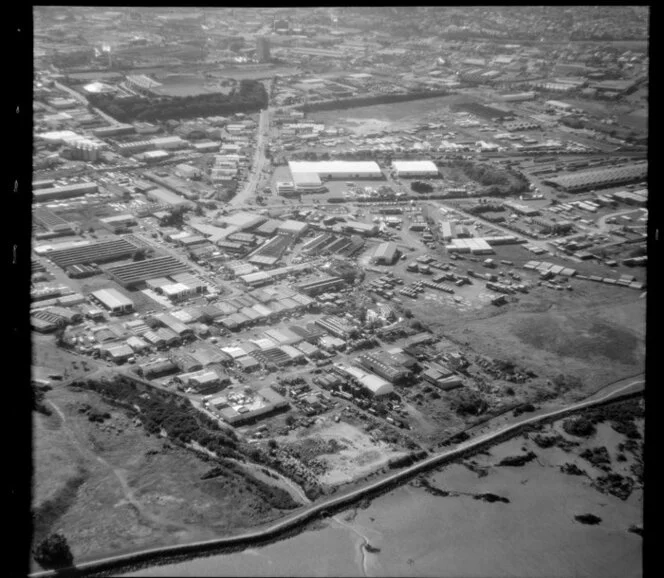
(244, 220)
(596, 177)
(140, 271)
(101, 252)
(415, 166)
(335, 167)
(112, 298)
(72, 190)
(386, 251)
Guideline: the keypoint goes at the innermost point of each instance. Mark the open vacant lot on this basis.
(598, 338)
(345, 452)
(394, 116)
(111, 488)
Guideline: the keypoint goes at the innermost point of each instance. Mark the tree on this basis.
(60, 337)
(139, 255)
(579, 427)
(175, 218)
(54, 552)
(290, 420)
(468, 402)
(417, 325)
(420, 187)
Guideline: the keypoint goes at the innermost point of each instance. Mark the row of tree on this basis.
(248, 97)
(355, 102)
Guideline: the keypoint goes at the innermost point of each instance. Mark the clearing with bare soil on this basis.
(345, 452)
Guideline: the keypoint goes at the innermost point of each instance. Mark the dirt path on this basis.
(120, 475)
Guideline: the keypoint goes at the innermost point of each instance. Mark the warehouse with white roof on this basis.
(113, 300)
(415, 169)
(336, 169)
(375, 385)
(306, 183)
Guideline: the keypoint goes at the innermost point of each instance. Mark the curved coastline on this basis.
(298, 521)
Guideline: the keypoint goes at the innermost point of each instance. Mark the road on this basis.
(323, 508)
(602, 224)
(258, 163)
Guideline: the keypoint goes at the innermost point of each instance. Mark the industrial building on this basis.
(387, 366)
(118, 223)
(113, 300)
(287, 188)
(101, 252)
(607, 177)
(336, 326)
(447, 230)
(138, 272)
(305, 183)
(169, 142)
(386, 254)
(265, 403)
(476, 246)
(337, 169)
(293, 228)
(64, 192)
(521, 209)
(521, 125)
(518, 97)
(415, 169)
(558, 105)
(167, 198)
(376, 385)
(631, 198)
(313, 287)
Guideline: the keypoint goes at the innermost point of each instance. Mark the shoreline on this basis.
(299, 521)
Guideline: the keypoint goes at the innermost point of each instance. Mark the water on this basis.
(535, 535)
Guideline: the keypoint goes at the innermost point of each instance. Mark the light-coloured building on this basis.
(307, 183)
(337, 169)
(415, 169)
(376, 385)
(113, 300)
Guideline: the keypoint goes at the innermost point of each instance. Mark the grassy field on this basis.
(110, 488)
(394, 116)
(47, 358)
(596, 334)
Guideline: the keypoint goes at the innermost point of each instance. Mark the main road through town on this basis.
(323, 507)
(259, 160)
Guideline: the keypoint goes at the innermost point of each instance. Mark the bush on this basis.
(567, 382)
(588, 519)
(420, 187)
(468, 402)
(53, 552)
(518, 461)
(580, 427)
(598, 457)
